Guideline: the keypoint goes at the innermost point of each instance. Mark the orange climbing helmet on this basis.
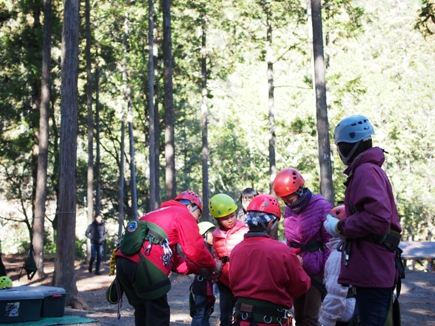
(287, 182)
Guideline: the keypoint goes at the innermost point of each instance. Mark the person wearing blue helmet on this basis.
(371, 231)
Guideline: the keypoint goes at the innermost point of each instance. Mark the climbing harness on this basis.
(261, 311)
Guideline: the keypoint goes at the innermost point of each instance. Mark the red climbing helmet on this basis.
(265, 203)
(190, 196)
(339, 212)
(287, 182)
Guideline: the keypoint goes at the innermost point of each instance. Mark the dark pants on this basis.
(201, 315)
(146, 312)
(373, 305)
(96, 251)
(226, 305)
(307, 306)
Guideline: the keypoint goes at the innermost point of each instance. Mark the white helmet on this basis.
(205, 226)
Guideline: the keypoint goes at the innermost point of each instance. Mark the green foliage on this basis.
(426, 18)
(80, 248)
(378, 64)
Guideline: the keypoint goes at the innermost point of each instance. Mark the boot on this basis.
(90, 266)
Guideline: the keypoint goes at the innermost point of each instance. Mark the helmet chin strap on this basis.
(194, 208)
(273, 226)
(346, 159)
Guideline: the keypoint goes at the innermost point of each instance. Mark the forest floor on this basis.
(417, 298)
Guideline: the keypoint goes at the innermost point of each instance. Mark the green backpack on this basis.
(151, 282)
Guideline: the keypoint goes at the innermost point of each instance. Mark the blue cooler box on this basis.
(19, 305)
(53, 303)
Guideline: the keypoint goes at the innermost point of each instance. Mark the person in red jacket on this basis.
(229, 233)
(265, 274)
(178, 218)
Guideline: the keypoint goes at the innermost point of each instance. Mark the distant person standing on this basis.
(245, 198)
(96, 232)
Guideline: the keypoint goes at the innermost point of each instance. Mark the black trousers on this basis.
(146, 312)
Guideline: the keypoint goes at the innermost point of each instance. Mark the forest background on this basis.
(379, 61)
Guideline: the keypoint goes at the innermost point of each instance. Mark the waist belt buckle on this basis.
(267, 319)
(287, 315)
(244, 315)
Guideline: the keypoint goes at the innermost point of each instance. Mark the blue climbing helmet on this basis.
(353, 129)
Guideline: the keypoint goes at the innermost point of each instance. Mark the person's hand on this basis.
(218, 269)
(206, 273)
(331, 225)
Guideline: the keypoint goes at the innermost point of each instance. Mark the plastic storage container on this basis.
(19, 305)
(53, 303)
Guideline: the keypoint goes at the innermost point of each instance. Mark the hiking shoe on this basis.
(97, 273)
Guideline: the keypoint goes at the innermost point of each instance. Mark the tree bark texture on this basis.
(90, 175)
(41, 181)
(168, 102)
(151, 108)
(64, 264)
(271, 96)
(204, 119)
(326, 186)
(90, 172)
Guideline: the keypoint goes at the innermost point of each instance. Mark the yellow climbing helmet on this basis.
(222, 205)
(5, 282)
(205, 226)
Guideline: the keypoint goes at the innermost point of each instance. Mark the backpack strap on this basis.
(319, 286)
(311, 246)
(156, 237)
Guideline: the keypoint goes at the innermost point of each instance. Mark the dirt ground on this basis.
(417, 297)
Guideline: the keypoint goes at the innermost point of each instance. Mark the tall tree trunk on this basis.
(204, 118)
(127, 99)
(152, 111)
(168, 103)
(90, 174)
(97, 136)
(41, 181)
(326, 186)
(121, 175)
(32, 45)
(271, 96)
(156, 125)
(64, 264)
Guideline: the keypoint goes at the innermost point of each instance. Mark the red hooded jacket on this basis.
(181, 228)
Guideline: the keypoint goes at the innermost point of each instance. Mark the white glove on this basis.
(331, 225)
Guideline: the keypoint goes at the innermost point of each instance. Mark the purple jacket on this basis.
(370, 209)
(306, 226)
